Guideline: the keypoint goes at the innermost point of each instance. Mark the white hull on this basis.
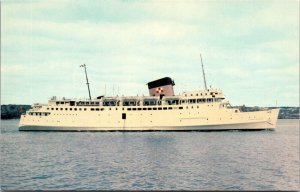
(204, 118)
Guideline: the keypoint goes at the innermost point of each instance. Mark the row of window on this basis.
(160, 108)
(102, 109)
(70, 109)
(148, 102)
(154, 108)
(211, 93)
(128, 109)
(209, 100)
(81, 103)
(39, 113)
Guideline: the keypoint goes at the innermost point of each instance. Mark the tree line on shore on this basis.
(15, 111)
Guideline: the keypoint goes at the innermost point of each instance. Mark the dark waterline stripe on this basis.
(222, 130)
(132, 190)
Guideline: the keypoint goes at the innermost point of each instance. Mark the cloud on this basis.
(244, 45)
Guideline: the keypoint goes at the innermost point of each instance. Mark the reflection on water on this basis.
(262, 160)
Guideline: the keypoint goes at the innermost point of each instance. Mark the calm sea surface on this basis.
(229, 160)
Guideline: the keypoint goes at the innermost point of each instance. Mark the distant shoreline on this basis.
(12, 111)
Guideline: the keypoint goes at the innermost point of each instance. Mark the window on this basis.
(139, 109)
(84, 109)
(180, 107)
(80, 109)
(47, 108)
(129, 103)
(109, 103)
(97, 109)
(165, 108)
(61, 109)
(159, 108)
(52, 108)
(200, 100)
(150, 109)
(56, 109)
(154, 108)
(150, 102)
(70, 109)
(192, 100)
(133, 109)
(170, 108)
(92, 109)
(66, 109)
(128, 109)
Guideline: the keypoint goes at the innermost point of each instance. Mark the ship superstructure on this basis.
(162, 110)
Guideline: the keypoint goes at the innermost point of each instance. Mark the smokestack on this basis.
(161, 87)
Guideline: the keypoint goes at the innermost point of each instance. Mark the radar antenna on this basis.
(87, 81)
(203, 72)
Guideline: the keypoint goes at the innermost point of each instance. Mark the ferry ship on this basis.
(162, 110)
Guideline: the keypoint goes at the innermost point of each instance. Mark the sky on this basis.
(250, 49)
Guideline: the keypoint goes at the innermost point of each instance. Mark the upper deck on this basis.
(201, 96)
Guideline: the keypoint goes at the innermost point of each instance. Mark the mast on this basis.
(203, 72)
(87, 81)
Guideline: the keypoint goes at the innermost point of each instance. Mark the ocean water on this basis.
(229, 160)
